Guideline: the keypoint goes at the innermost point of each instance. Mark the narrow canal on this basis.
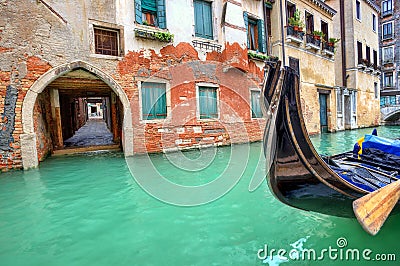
(88, 210)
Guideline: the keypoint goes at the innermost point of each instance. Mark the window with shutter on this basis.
(203, 19)
(151, 13)
(154, 104)
(255, 29)
(255, 105)
(208, 106)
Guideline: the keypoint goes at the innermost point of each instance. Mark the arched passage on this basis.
(28, 138)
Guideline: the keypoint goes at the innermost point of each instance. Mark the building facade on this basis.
(357, 68)
(169, 81)
(307, 51)
(174, 74)
(389, 51)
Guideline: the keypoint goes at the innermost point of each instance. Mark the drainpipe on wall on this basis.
(283, 35)
(343, 43)
(265, 28)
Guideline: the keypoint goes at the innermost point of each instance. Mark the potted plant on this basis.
(296, 21)
(164, 36)
(318, 34)
(332, 41)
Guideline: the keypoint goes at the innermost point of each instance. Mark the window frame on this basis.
(376, 90)
(159, 14)
(167, 99)
(353, 96)
(368, 54)
(290, 10)
(310, 24)
(385, 84)
(386, 11)
(255, 90)
(374, 21)
(99, 35)
(217, 92)
(387, 36)
(359, 53)
(325, 29)
(259, 33)
(92, 24)
(384, 59)
(358, 10)
(203, 35)
(339, 102)
(253, 22)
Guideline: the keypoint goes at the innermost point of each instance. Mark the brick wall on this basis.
(54, 37)
(20, 75)
(43, 124)
(181, 68)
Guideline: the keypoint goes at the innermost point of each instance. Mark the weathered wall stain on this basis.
(8, 118)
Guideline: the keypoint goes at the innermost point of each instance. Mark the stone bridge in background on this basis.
(390, 113)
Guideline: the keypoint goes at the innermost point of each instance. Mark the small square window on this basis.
(106, 41)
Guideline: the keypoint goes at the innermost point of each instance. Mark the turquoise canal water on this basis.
(88, 210)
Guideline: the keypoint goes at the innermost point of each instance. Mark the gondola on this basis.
(297, 175)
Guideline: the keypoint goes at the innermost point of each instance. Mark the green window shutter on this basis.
(208, 103)
(246, 25)
(146, 103)
(207, 13)
(198, 18)
(138, 11)
(161, 15)
(255, 105)
(268, 5)
(261, 36)
(203, 19)
(149, 5)
(154, 104)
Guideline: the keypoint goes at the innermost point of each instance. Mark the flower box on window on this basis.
(162, 36)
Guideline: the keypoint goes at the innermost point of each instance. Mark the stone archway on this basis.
(28, 138)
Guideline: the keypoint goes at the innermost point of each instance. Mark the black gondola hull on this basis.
(298, 175)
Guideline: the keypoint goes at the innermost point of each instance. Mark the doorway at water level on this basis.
(78, 112)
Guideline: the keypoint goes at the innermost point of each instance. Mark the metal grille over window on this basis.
(106, 42)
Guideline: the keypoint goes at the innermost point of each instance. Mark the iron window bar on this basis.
(207, 45)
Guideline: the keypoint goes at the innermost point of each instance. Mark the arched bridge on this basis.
(390, 113)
